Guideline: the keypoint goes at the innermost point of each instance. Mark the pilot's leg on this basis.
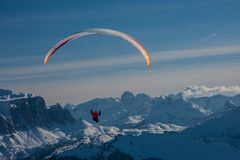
(95, 119)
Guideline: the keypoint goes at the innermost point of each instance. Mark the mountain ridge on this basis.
(29, 126)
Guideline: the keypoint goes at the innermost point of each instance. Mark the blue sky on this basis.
(190, 42)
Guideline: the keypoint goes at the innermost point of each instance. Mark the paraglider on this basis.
(111, 32)
(95, 115)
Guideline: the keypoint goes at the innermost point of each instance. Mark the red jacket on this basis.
(95, 114)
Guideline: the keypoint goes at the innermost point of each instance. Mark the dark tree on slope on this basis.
(118, 155)
(152, 159)
(64, 158)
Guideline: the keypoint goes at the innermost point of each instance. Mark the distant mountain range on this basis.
(30, 129)
(142, 109)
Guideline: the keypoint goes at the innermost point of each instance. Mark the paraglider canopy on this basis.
(111, 32)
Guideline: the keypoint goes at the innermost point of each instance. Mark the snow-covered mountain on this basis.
(26, 123)
(215, 139)
(131, 110)
(135, 110)
(204, 91)
(30, 129)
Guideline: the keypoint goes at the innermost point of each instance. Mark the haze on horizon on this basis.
(190, 42)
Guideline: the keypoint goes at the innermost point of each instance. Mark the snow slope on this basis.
(159, 127)
(174, 147)
(215, 139)
(17, 144)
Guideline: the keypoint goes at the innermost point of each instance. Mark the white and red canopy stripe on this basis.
(124, 36)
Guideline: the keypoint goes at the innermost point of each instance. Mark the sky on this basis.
(190, 43)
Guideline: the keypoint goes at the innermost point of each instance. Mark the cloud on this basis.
(208, 37)
(81, 64)
(202, 91)
(16, 59)
(40, 70)
(196, 52)
(155, 83)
